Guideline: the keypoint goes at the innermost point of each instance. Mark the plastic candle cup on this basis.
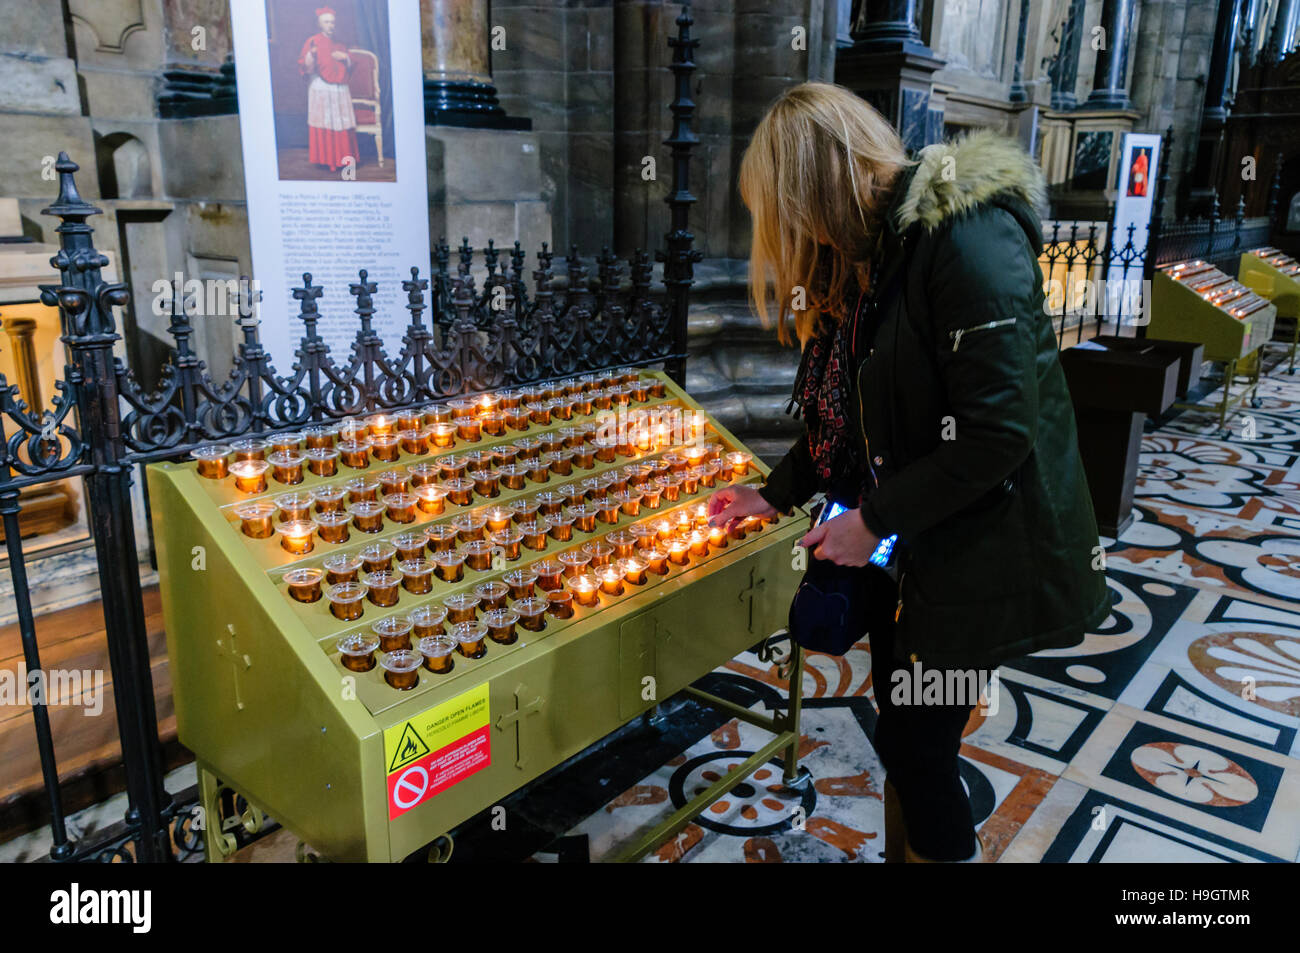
(549, 574)
(441, 537)
(535, 531)
(539, 468)
(695, 455)
(394, 480)
(718, 537)
(381, 425)
(501, 625)
(417, 576)
(437, 653)
(449, 565)
(583, 404)
(738, 462)
(559, 603)
(285, 442)
(510, 398)
(295, 536)
(521, 582)
(355, 453)
(442, 435)
(463, 406)
(550, 502)
(678, 552)
(656, 560)
(623, 542)
(438, 414)
(573, 494)
(322, 461)
(709, 475)
(478, 555)
(512, 476)
(504, 454)
(611, 579)
(575, 562)
(487, 483)
(332, 526)
(431, 498)
(345, 601)
(561, 462)
(561, 527)
(402, 669)
(361, 489)
(469, 429)
(493, 423)
(250, 448)
(517, 417)
(385, 447)
(644, 534)
(601, 552)
(492, 594)
(367, 516)
(304, 584)
(691, 480)
(737, 529)
(470, 526)
(212, 462)
(508, 540)
(658, 388)
(415, 441)
(539, 412)
(532, 613)
(670, 487)
(410, 419)
(634, 570)
(562, 407)
(602, 399)
(393, 632)
(585, 588)
(461, 607)
(453, 466)
(469, 638)
(498, 518)
(423, 474)
(605, 449)
(607, 508)
(294, 506)
(460, 491)
(382, 587)
(400, 507)
(250, 475)
(629, 500)
(376, 557)
(255, 519)
(699, 543)
(357, 651)
(341, 568)
(320, 436)
(427, 621)
(352, 429)
(410, 545)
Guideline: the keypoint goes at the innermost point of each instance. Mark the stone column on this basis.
(1018, 93)
(458, 89)
(1214, 113)
(1109, 89)
(887, 25)
(1065, 67)
(1283, 37)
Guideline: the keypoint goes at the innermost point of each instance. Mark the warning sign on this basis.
(436, 749)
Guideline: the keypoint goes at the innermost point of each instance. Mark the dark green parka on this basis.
(967, 420)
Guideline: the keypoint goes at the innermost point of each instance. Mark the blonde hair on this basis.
(815, 178)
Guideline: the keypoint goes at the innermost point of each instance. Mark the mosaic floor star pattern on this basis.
(1170, 734)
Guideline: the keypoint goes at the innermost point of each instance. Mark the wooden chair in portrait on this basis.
(363, 84)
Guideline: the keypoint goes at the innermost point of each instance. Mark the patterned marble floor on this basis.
(1168, 735)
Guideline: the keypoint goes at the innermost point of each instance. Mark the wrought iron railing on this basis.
(102, 423)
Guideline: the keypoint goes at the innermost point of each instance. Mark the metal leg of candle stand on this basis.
(1229, 376)
(218, 843)
(794, 776)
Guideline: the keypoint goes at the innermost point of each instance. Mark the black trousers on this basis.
(918, 745)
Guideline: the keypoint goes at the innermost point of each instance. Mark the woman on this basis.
(935, 409)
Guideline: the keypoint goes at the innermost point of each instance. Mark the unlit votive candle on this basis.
(362, 489)
(410, 545)
(394, 480)
(393, 632)
(508, 540)
(512, 475)
(400, 507)
(469, 429)
(431, 498)
(294, 506)
(295, 536)
(629, 500)
(559, 603)
(607, 508)
(345, 601)
(304, 583)
(561, 462)
(414, 441)
(427, 621)
(501, 625)
(367, 516)
(549, 573)
(449, 565)
(601, 552)
(478, 555)
(532, 613)
(355, 453)
(470, 525)
(460, 491)
(461, 607)
(250, 448)
(385, 447)
(402, 669)
(410, 419)
(341, 567)
(606, 449)
(463, 406)
(383, 587)
(332, 526)
(417, 576)
(535, 531)
(538, 467)
(256, 519)
(320, 436)
(709, 473)
(250, 475)
(322, 461)
(623, 542)
(357, 651)
(352, 429)
(504, 454)
(492, 594)
(561, 527)
(437, 652)
(487, 483)
(575, 562)
(212, 462)
(493, 423)
(442, 537)
(423, 474)
(454, 466)
(377, 556)
(469, 638)
(521, 582)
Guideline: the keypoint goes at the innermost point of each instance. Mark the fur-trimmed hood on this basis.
(952, 178)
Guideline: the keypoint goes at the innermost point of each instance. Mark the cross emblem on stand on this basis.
(747, 596)
(227, 648)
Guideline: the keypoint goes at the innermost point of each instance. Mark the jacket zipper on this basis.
(957, 335)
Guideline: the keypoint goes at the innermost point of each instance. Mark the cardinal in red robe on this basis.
(1137, 179)
(331, 122)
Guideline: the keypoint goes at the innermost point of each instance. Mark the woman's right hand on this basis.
(736, 503)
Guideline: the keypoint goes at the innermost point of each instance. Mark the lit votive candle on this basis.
(381, 425)
(442, 435)
(385, 447)
(332, 526)
(584, 588)
(256, 519)
(402, 669)
(431, 498)
(656, 560)
(304, 583)
(442, 537)
(738, 462)
(611, 579)
(449, 565)
(521, 582)
(498, 518)
(410, 545)
(461, 607)
(501, 625)
(345, 601)
(478, 555)
(382, 587)
(699, 543)
(718, 537)
(437, 652)
(423, 474)
(460, 491)
(250, 475)
(401, 507)
(427, 621)
(559, 603)
(678, 552)
(438, 414)
(532, 613)
(355, 453)
(212, 461)
(322, 461)
(469, 429)
(601, 552)
(634, 569)
(367, 516)
(341, 567)
(417, 576)
(250, 448)
(377, 557)
(508, 540)
(393, 632)
(535, 533)
(487, 483)
(294, 506)
(357, 651)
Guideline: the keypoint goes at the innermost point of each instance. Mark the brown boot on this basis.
(895, 832)
(976, 858)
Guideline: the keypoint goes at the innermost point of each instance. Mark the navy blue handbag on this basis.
(837, 606)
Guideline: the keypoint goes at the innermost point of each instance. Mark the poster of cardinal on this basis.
(332, 90)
